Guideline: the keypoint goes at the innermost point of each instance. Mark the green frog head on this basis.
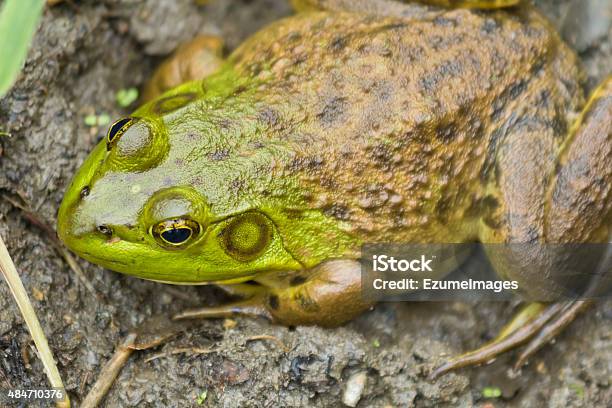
(191, 188)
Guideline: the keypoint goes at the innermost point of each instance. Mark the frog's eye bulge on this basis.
(246, 236)
(177, 232)
(175, 216)
(117, 129)
(134, 140)
(136, 144)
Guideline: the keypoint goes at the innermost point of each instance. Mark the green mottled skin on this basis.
(344, 128)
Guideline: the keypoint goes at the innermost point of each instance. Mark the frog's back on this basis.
(377, 108)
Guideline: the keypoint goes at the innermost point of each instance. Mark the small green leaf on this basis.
(376, 343)
(202, 397)
(91, 120)
(578, 389)
(103, 119)
(97, 120)
(491, 392)
(126, 97)
(18, 22)
(4, 134)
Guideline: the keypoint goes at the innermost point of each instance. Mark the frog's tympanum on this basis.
(352, 122)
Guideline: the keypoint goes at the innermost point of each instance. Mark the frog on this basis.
(353, 122)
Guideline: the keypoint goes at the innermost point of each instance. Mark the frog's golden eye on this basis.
(247, 236)
(117, 129)
(177, 232)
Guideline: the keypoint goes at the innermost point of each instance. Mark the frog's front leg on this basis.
(574, 205)
(327, 295)
(193, 60)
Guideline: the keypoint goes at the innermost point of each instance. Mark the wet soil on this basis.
(83, 53)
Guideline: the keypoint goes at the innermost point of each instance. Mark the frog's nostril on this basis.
(85, 191)
(105, 229)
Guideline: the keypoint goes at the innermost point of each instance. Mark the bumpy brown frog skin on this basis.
(428, 125)
(419, 124)
(446, 127)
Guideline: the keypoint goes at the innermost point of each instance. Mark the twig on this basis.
(109, 373)
(84, 382)
(151, 333)
(7, 267)
(180, 350)
(271, 338)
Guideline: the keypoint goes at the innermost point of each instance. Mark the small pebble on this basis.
(354, 388)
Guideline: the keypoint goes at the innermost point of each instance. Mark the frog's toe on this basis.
(552, 329)
(252, 307)
(536, 324)
(252, 304)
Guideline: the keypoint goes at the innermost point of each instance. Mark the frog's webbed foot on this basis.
(192, 61)
(536, 325)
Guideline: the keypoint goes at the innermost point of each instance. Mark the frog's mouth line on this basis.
(96, 260)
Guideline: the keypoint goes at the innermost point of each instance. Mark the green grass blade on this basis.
(18, 22)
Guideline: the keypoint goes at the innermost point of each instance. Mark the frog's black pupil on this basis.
(176, 235)
(116, 127)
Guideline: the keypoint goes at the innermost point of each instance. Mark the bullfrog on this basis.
(353, 122)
